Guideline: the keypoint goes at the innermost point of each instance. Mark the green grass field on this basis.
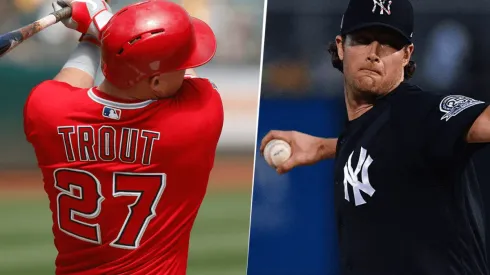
(219, 240)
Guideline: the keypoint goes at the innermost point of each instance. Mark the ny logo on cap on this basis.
(382, 7)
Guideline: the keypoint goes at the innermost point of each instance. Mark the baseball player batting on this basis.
(126, 164)
(406, 197)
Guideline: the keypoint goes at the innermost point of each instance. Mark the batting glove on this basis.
(89, 17)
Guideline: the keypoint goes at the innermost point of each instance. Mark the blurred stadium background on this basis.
(220, 237)
(293, 227)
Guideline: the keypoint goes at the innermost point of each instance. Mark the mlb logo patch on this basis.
(111, 113)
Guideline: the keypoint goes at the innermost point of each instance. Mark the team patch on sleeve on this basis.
(453, 105)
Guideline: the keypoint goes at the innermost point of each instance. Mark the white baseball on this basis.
(277, 152)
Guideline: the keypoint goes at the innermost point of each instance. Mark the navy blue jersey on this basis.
(406, 194)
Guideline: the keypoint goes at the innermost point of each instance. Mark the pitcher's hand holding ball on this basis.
(304, 149)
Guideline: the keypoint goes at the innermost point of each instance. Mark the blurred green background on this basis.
(219, 241)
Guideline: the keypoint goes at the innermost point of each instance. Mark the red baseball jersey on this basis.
(125, 179)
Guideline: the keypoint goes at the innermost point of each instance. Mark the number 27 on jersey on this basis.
(81, 197)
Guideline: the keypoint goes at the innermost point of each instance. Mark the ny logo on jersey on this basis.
(382, 7)
(111, 113)
(351, 177)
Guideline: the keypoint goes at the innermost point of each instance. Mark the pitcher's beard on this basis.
(365, 89)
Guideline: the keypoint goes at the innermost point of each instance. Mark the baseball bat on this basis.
(12, 39)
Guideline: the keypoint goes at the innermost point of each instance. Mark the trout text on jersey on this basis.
(105, 143)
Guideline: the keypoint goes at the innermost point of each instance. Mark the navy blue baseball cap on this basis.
(393, 14)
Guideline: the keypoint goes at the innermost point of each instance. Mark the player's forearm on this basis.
(81, 67)
(327, 148)
(480, 131)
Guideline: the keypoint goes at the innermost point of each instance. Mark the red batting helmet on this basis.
(153, 37)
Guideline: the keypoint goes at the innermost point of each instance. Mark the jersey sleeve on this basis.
(217, 117)
(211, 114)
(215, 114)
(447, 122)
(33, 106)
(201, 82)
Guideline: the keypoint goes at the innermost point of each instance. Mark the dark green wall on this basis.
(17, 82)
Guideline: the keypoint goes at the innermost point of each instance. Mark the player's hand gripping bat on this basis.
(11, 40)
